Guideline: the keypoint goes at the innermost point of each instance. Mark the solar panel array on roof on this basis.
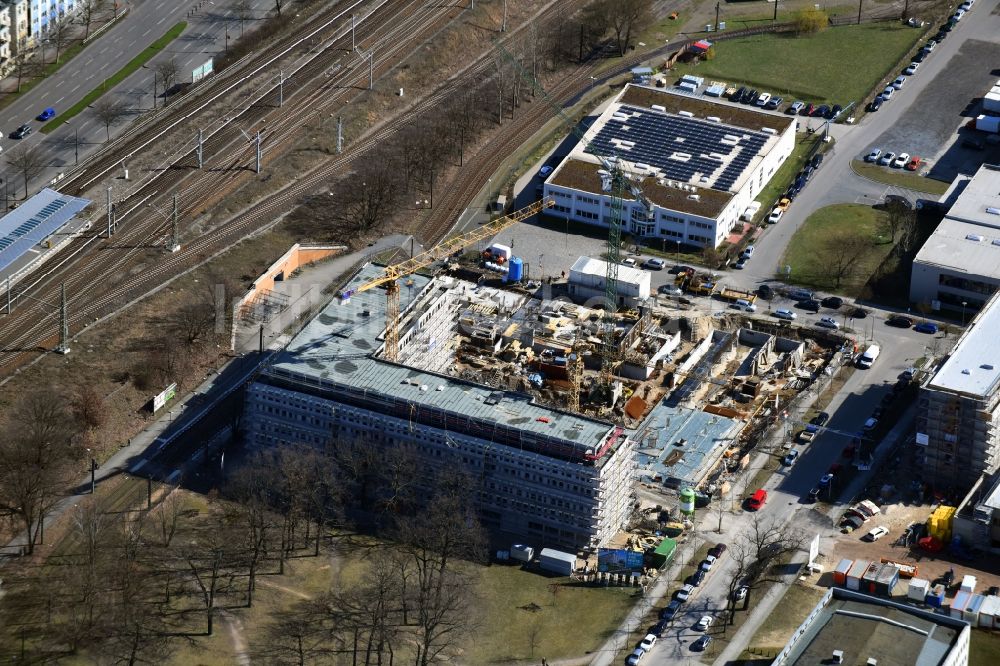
(691, 150)
(33, 222)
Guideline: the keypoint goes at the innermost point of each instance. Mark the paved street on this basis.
(147, 21)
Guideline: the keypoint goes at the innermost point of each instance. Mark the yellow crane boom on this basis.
(440, 251)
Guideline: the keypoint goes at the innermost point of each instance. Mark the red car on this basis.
(914, 163)
(835, 468)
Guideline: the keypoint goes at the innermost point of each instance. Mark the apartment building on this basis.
(958, 418)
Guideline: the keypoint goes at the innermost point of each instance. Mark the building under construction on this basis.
(541, 398)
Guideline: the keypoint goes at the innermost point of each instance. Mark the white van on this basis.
(866, 359)
(743, 304)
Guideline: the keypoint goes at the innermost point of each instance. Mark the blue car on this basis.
(926, 327)
(47, 114)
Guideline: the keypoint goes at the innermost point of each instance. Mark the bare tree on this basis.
(369, 198)
(88, 10)
(26, 65)
(167, 71)
(250, 488)
(59, 34)
(27, 161)
(195, 320)
(499, 81)
(898, 219)
(109, 111)
(88, 407)
(244, 12)
(844, 253)
(277, 6)
(168, 515)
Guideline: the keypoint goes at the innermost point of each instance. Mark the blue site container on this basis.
(516, 269)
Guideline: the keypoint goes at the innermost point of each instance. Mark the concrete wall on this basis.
(296, 257)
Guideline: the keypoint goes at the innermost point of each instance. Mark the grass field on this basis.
(838, 65)
(899, 178)
(786, 174)
(984, 648)
(807, 252)
(571, 622)
(775, 631)
(131, 66)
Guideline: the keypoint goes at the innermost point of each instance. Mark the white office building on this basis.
(553, 476)
(958, 268)
(700, 162)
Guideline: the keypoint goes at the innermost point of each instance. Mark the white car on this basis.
(648, 642)
(704, 623)
(635, 657)
(775, 215)
(901, 160)
(790, 459)
(684, 593)
(958, 15)
(741, 593)
(877, 533)
(655, 264)
(911, 68)
(670, 290)
(763, 99)
(899, 82)
(874, 155)
(748, 251)
(785, 314)
(628, 262)
(828, 322)
(707, 563)
(887, 93)
(887, 158)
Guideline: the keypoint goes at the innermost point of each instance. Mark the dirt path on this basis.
(235, 626)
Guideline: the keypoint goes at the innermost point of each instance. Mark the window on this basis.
(587, 214)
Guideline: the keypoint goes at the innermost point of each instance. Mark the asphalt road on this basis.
(147, 21)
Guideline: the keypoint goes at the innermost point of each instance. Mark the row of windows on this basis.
(560, 209)
(701, 225)
(671, 218)
(701, 239)
(560, 195)
(671, 233)
(967, 284)
(588, 200)
(587, 214)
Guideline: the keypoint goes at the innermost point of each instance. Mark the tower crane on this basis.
(441, 251)
(615, 181)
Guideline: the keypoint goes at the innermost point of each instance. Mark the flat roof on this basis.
(963, 247)
(973, 367)
(979, 202)
(34, 221)
(337, 347)
(680, 445)
(599, 267)
(864, 627)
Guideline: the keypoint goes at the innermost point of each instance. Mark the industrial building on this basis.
(977, 517)
(957, 414)
(699, 161)
(30, 230)
(848, 627)
(958, 268)
(588, 282)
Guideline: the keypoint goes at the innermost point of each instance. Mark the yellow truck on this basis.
(732, 295)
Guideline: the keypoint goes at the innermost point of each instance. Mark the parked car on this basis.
(628, 261)
(648, 642)
(704, 623)
(669, 290)
(702, 643)
(911, 69)
(875, 104)
(765, 291)
(684, 593)
(544, 171)
(859, 313)
(957, 16)
(697, 578)
(800, 294)
(717, 550)
(821, 111)
(807, 110)
(741, 593)
(785, 314)
(828, 322)
(670, 610)
(877, 533)
(658, 628)
(825, 480)
(887, 93)
(899, 82)
(738, 95)
(832, 302)
(835, 111)
(816, 160)
(751, 97)
(795, 108)
(914, 163)
(654, 264)
(887, 158)
(901, 160)
(48, 114)
(635, 657)
(809, 304)
(820, 419)
(773, 103)
(874, 155)
(748, 251)
(926, 327)
(707, 563)
(969, 142)
(899, 321)
(775, 216)
(679, 268)
(790, 458)
(763, 99)
(757, 500)
(870, 424)
(920, 56)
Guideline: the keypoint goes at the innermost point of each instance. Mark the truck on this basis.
(702, 284)
(808, 434)
(989, 124)
(730, 294)
(522, 553)
(557, 562)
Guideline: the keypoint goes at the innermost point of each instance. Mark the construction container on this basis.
(918, 589)
(664, 553)
(992, 102)
(935, 597)
(856, 573)
(840, 573)
(498, 250)
(989, 612)
(883, 580)
(557, 562)
(939, 523)
(516, 272)
(959, 604)
(971, 614)
(968, 584)
(687, 501)
(906, 569)
(988, 124)
(689, 78)
(522, 553)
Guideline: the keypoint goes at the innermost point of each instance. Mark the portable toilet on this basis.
(971, 614)
(918, 589)
(968, 584)
(936, 596)
(959, 604)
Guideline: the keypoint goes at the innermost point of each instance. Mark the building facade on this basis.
(957, 417)
(958, 268)
(552, 476)
(588, 279)
(699, 161)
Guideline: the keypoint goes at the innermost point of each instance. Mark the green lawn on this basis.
(116, 78)
(899, 178)
(775, 631)
(808, 251)
(984, 648)
(838, 65)
(571, 622)
(779, 182)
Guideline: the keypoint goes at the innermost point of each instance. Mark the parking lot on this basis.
(928, 125)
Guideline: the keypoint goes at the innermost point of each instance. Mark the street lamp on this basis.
(76, 143)
(964, 303)
(593, 80)
(154, 85)
(678, 254)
